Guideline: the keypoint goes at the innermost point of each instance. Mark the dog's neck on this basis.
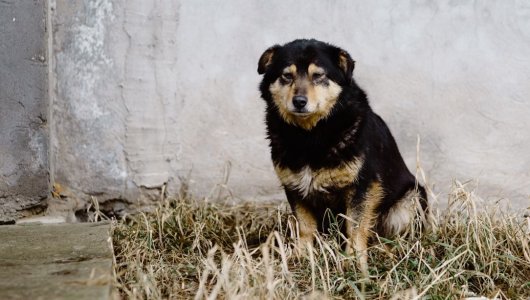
(330, 141)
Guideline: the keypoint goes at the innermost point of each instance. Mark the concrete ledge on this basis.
(59, 261)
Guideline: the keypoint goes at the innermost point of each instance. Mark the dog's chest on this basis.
(307, 180)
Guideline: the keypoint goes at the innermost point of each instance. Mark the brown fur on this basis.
(307, 225)
(307, 180)
(359, 234)
(321, 98)
(332, 153)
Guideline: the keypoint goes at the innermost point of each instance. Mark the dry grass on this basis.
(195, 249)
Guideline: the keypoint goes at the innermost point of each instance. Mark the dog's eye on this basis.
(317, 76)
(287, 76)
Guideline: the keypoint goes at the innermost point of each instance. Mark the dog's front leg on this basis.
(306, 221)
(357, 234)
(360, 222)
(307, 227)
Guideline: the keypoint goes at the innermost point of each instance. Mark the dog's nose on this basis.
(299, 101)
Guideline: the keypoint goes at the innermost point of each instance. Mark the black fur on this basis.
(293, 147)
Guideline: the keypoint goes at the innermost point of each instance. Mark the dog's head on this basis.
(304, 79)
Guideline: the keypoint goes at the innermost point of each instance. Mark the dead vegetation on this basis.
(188, 248)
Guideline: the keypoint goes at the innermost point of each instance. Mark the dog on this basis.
(331, 152)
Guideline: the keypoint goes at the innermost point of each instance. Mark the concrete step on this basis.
(55, 261)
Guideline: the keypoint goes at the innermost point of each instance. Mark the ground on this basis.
(189, 248)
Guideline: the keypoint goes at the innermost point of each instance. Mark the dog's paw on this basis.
(302, 248)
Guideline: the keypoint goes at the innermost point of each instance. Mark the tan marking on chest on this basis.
(307, 180)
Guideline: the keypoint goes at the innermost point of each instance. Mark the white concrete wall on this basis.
(148, 90)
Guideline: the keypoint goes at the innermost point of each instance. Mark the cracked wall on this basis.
(150, 94)
(24, 177)
(115, 72)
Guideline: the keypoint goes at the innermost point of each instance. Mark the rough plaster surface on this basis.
(114, 84)
(152, 93)
(24, 177)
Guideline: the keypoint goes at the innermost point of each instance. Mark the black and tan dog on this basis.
(331, 152)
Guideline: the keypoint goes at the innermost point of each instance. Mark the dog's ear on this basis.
(346, 64)
(266, 59)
